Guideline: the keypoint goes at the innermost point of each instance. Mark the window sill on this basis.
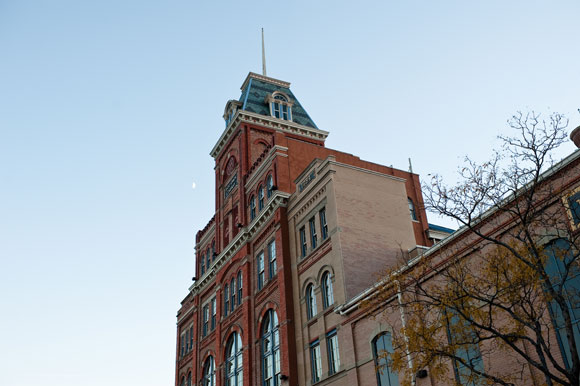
(331, 377)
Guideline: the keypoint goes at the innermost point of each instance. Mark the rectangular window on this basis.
(191, 337)
(333, 355)
(272, 258)
(315, 361)
(233, 295)
(182, 349)
(276, 109)
(303, 241)
(312, 225)
(467, 351)
(240, 288)
(226, 300)
(323, 226)
(285, 112)
(205, 319)
(186, 341)
(213, 312)
(260, 270)
(202, 264)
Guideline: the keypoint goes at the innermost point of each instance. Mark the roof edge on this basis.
(264, 78)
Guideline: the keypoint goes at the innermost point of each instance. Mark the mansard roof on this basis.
(257, 87)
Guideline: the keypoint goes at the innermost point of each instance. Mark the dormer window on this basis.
(280, 106)
(230, 111)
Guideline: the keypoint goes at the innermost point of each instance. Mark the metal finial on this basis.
(263, 55)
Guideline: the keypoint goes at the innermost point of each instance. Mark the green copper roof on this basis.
(254, 94)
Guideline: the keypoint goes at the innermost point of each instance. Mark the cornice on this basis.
(288, 127)
(264, 78)
(278, 199)
(206, 236)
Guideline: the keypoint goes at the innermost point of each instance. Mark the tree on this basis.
(504, 289)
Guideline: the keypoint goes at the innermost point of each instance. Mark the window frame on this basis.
(315, 361)
(270, 335)
(260, 198)
(272, 266)
(323, 223)
(252, 207)
(234, 374)
(327, 290)
(232, 294)
(313, 236)
(240, 287)
(269, 185)
(303, 245)
(311, 306)
(333, 352)
(226, 299)
(383, 369)
(208, 372)
(261, 272)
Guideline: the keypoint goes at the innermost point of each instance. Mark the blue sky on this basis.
(108, 111)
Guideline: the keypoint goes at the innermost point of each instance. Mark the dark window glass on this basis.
(260, 270)
(272, 259)
(327, 291)
(226, 299)
(323, 226)
(213, 313)
(312, 225)
(240, 287)
(234, 373)
(315, 361)
(252, 208)
(270, 350)
(311, 310)
(269, 185)
(205, 319)
(382, 345)
(412, 210)
(560, 254)
(467, 350)
(233, 294)
(260, 197)
(303, 241)
(332, 350)
(208, 377)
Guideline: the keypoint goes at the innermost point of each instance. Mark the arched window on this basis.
(564, 274)
(412, 210)
(252, 208)
(189, 379)
(207, 259)
(382, 345)
(280, 107)
(311, 310)
(233, 294)
(270, 350)
(226, 300)
(260, 197)
(213, 254)
(182, 381)
(327, 292)
(269, 185)
(234, 372)
(239, 287)
(208, 378)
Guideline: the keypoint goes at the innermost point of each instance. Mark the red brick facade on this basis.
(252, 149)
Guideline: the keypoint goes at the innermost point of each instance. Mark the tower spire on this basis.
(263, 55)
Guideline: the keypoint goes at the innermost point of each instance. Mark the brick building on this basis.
(299, 231)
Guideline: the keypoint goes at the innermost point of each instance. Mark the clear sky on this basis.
(108, 111)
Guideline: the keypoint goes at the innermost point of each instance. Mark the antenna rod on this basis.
(263, 55)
